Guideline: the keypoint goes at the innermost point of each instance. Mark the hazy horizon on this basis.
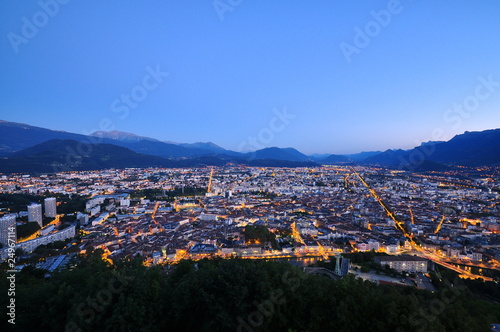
(337, 78)
(283, 147)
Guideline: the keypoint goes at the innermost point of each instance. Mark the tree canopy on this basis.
(229, 295)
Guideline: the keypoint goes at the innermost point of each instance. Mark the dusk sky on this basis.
(351, 75)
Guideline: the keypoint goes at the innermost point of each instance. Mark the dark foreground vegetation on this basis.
(231, 295)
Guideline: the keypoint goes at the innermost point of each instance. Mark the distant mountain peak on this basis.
(429, 143)
(274, 152)
(121, 136)
(472, 148)
(477, 148)
(334, 158)
(201, 145)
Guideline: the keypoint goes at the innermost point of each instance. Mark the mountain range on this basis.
(25, 148)
(480, 148)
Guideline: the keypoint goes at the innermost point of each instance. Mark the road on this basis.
(153, 215)
(417, 248)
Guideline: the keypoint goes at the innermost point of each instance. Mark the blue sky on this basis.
(225, 68)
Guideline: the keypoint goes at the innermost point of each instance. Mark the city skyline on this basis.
(231, 165)
(352, 78)
(341, 228)
(251, 144)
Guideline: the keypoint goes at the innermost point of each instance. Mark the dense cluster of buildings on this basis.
(404, 263)
(46, 234)
(7, 222)
(307, 211)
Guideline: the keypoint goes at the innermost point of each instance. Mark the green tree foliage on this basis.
(230, 295)
(71, 203)
(260, 234)
(361, 256)
(489, 290)
(264, 194)
(18, 202)
(27, 229)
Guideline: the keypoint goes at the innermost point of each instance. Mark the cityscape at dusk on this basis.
(232, 165)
